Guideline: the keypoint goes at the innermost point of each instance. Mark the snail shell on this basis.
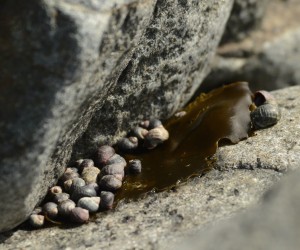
(135, 166)
(113, 169)
(89, 174)
(50, 209)
(117, 159)
(89, 203)
(265, 116)
(84, 191)
(128, 144)
(58, 198)
(110, 183)
(156, 136)
(107, 199)
(103, 154)
(65, 207)
(139, 132)
(36, 220)
(263, 97)
(79, 215)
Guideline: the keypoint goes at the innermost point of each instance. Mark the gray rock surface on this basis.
(243, 173)
(269, 58)
(75, 74)
(275, 224)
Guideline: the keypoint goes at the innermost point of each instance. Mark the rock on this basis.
(76, 74)
(272, 225)
(238, 181)
(268, 59)
(246, 16)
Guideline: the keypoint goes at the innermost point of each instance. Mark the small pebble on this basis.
(60, 197)
(36, 220)
(65, 207)
(104, 153)
(85, 191)
(89, 174)
(89, 203)
(110, 183)
(79, 215)
(135, 166)
(50, 209)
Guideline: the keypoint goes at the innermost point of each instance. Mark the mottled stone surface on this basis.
(269, 58)
(238, 181)
(75, 74)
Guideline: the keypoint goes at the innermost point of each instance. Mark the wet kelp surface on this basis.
(224, 113)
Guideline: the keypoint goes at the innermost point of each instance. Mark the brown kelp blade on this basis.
(221, 114)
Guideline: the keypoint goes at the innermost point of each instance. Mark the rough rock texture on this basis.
(273, 225)
(246, 16)
(269, 58)
(77, 73)
(243, 173)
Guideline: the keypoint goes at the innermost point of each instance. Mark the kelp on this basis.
(223, 113)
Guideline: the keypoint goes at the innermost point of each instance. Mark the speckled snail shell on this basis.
(36, 220)
(79, 215)
(50, 209)
(128, 144)
(107, 200)
(65, 207)
(265, 116)
(110, 183)
(156, 136)
(89, 203)
(89, 174)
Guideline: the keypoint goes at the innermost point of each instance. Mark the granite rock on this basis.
(75, 74)
(159, 220)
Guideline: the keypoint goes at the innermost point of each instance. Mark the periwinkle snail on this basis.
(267, 112)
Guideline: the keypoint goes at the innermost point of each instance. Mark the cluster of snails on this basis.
(90, 185)
(85, 188)
(148, 135)
(267, 112)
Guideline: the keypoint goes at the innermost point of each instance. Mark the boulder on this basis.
(76, 74)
